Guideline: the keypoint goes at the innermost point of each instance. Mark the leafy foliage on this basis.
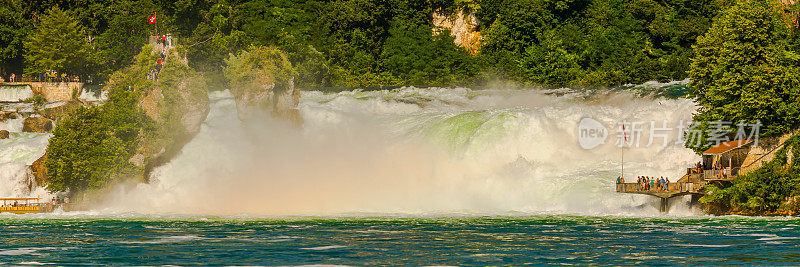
(12, 33)
(372, 43)
(91, 148)
(596, 43)
(745, 70)
(258, 66)
(58, 43)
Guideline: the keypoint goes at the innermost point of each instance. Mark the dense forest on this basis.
(374, 43)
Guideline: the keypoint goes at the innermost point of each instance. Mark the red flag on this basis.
(623, 133)
(152, 19)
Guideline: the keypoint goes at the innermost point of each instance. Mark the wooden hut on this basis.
(722, 162)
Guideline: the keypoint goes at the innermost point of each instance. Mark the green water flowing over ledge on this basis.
(402, 241)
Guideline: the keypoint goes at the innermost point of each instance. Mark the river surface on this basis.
(518, 240)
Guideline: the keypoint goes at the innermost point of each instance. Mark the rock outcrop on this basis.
(262, 82)
(58, 112)
(4, 134)
(8, 115)
(39, 171)
(37, 125)
(264, 99)
(178, 103)
(462, 25)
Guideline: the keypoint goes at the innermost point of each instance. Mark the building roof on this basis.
(727, 146)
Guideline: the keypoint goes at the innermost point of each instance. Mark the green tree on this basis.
(58, 43)
(418, 57)
(12, 32)
(744, 69)
(549, 63)
(259, 65)
(124, 30)
(93, 147)
(88, 151)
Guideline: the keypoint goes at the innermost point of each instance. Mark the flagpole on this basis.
(622, 152)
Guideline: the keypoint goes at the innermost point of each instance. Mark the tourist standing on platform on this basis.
(638, 183)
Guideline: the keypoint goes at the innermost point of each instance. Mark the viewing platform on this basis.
(721, 163)
(690, 184)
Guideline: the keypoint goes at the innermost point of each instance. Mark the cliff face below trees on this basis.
(462, 25)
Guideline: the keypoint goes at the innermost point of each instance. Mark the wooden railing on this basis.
(721, 174)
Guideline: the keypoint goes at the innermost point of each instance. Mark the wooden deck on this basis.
(690, 184)
(675, 189)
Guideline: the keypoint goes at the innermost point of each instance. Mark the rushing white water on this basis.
(416, 151)
(15, 93)
(93, 96)
(16, 153)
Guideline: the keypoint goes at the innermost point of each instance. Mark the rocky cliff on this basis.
(178, 103)
(174, 99)
(262, 82)
(462, 25)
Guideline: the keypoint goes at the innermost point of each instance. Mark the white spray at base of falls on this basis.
(415, 151)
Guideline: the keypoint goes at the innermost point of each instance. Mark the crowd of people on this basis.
(53, 76)
(11, 78)
(50, 76)
(164, 40)
(15, 204)
(652, 183)
(646, 183)
(59, 200)
(700, 166)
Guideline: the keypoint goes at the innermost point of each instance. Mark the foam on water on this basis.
(416, 151)
(16, 153)
(12, 125)
(92, 96)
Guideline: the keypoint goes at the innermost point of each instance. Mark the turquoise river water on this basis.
(537, 240)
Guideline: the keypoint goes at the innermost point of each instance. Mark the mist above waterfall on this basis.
(413, 151)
